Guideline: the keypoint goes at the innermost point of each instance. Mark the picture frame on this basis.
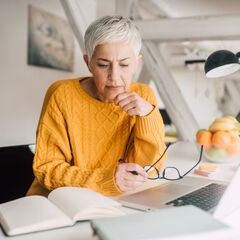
(50, 40)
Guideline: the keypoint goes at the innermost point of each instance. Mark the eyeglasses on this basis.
(169, 173)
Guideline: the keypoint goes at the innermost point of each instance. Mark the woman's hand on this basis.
(129, 176)
(133, 104)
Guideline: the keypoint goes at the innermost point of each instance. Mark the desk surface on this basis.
(182, 155)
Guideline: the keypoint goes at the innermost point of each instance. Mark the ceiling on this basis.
(192, 8)
(188, 8)
(181, 51)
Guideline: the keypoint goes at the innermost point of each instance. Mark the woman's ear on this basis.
(140, 59)
(87, 61)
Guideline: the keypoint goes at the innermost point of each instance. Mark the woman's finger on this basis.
(121, 96)
(129, 106)
(134, 112)
(132, 184)
(131, 177)
(128, 99)
(129, 167)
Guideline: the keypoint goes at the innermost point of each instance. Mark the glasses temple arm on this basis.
(159, 158)
(200, 158)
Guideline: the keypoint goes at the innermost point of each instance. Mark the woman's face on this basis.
(112, 66)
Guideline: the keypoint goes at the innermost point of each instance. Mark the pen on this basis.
(134, 172)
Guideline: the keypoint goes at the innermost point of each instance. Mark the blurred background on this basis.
(38, 47)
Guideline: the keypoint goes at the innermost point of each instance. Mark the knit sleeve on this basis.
(52, 162)
(148, 143)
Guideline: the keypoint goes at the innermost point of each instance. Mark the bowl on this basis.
(218, 155)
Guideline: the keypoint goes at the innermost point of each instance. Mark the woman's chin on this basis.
(111, 96)
(109, 99)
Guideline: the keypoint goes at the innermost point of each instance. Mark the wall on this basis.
(199, 92)
(22, 87)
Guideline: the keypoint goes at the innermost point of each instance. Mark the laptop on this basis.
(161, 224)
(210, 195)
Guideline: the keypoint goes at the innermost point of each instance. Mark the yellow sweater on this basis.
(81, 139)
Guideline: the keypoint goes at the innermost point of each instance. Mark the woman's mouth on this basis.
(114, 87)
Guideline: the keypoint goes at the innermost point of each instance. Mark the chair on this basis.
(16, 174)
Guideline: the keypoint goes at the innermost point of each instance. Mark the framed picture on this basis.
(50, 40)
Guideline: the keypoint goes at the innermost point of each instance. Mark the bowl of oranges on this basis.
(221, 141)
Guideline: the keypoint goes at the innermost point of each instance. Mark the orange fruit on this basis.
(221, 139)
(234, 147)
(203, 137)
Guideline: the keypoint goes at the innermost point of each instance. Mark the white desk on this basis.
(182, 155)
(80, 231)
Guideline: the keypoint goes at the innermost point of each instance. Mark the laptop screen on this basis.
(230, 201)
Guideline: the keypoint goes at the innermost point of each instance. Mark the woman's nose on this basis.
(114, 73)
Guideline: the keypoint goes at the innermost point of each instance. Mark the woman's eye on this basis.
(102, 65)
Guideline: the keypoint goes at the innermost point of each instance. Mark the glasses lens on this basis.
(171, 173)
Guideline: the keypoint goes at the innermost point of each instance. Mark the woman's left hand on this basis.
(133, 104)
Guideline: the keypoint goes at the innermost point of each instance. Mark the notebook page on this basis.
(82, 203)
(29, 214)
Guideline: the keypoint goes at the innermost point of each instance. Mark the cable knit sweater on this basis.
(81, 139)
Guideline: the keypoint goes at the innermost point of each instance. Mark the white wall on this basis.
(199, 92)
(22, 86)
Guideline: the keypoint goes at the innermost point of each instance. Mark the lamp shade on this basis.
(221, 63)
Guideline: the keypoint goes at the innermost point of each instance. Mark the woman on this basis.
(86, 123)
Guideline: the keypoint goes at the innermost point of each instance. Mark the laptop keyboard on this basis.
(205, 198)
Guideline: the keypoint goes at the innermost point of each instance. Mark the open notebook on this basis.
(63, 207)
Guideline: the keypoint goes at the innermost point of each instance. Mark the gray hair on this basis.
(112, 29)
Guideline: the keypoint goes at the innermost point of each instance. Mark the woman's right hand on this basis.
(129, 176)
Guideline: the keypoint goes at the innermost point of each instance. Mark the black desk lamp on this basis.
(221, 63)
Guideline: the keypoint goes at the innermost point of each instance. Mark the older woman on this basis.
(86, 123)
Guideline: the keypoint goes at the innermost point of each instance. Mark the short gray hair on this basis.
(112, 29)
